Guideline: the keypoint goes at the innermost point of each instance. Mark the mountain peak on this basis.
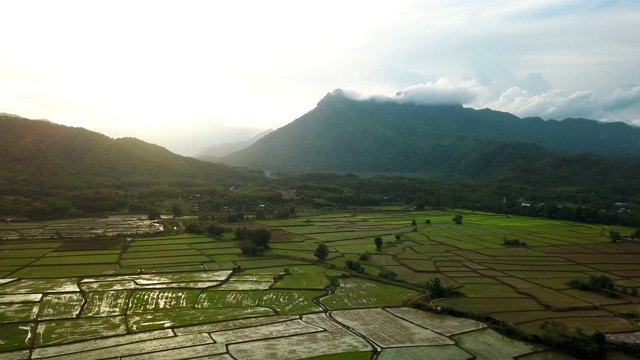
(348, 132)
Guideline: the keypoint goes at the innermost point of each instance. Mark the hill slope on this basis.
(342, 134)
(43, 155)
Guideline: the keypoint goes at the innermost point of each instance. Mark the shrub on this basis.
(355, 265)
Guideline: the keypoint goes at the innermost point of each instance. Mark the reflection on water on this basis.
(112, 225)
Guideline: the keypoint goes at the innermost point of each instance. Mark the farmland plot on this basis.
(106, 303)
(60, 306)
(160, 286)
(487, 344)
(357, 293)
(388, 330)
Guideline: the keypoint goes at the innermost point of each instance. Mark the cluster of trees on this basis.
(210, 228)
(438, 291)
(252, 241)
(354, 265)
(513, 242)
(388, 274)
(599, 284)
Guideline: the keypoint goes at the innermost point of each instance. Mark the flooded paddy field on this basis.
(189, 296)
(112, 225)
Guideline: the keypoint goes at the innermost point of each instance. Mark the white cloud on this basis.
(440, 92)
(559, 104)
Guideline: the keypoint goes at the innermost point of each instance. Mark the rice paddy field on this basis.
(190, 296)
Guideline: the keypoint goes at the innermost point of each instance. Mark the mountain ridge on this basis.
(342, 134)
(39, 154)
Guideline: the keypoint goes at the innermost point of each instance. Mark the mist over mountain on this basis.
(186, 140)
(215, 151)
(344, 134)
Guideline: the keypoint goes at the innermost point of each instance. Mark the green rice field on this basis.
(190, 296)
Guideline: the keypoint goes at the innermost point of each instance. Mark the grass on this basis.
(360, 355)
(487, 344)
(15, 336)
(70, 330)
(489, 291)
(589, 325)
(22, 312)
(491, 305)
(304, 277)
(555, 299)
(57, 271)
(163, 260)
(291, 302)
(106, 303)
(231, 299)
(60, 306)
(359, 293)
(79, 259)
(154, 300)
(182, 317)
(529, 316)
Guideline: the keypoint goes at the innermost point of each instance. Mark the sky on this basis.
(128, 65)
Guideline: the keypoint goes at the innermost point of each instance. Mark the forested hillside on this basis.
(43, 156)
(347, 135)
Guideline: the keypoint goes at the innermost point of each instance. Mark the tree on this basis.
(215, 230)
(457, 219)
(398, 237)
(154, 215)
(388, 274)
(194, 228)
(378, 242)
(322, 251)
(260, 237)
(428, 222)
(260, 214)
(176, 210)
(414, 224)
(615, 236)
(355, 265)
(437, 290)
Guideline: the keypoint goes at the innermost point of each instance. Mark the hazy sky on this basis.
(127, 64)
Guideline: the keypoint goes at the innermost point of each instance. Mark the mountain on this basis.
(42, 156)
(346, 135)
(215, 151)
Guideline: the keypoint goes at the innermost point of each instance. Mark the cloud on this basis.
(559, 104)
(623, 99)
(441, 92)
(536, 99)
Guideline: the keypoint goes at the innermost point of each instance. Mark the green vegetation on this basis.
(155, 283)
(437, 290)
(378, 242)
(322, 251)
(513, 242)
(355, 265)
(600, 284)
(254, 241)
